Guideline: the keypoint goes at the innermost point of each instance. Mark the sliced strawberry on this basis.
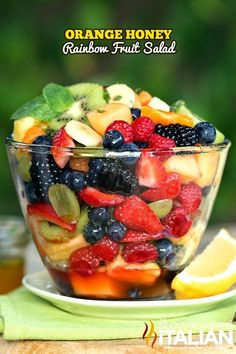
(61, 139)
(139, 236)
(150, 172)
(95, 198)
(140, 252)
(106, 249)
(46, 212)
(169, 190)
(136, 215)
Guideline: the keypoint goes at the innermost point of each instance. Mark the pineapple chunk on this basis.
(207, 164)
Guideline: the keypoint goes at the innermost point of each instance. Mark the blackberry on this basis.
(112, 176)
(181, 134)
(31, 192)
(43, 170)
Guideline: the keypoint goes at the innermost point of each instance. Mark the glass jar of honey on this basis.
(13, 241)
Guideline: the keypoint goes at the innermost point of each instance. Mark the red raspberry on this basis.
(106, 249)
(190, 196)
(124, 128)
(84, 262)
(140, 253)
(143, 128)
(157, 141)
(169, 189)
(177, 223)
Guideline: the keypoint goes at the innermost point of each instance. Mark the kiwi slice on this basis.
(64, 203)
(88, 97)
(23, 168)
(83, 220)
(57, 123)
(52, 232)
(161, 207)
(91, 95)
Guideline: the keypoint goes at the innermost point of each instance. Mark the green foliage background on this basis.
(202, 71)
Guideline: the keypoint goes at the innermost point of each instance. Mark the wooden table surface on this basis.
(130, 346)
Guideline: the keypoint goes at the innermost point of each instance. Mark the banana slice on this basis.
(121, 93)
(157, 103)
(82, 133)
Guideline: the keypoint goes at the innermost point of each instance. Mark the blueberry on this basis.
(31, 192)
(92, 233)
(43, 140)
(134, 293)
(165, 248)
(116, 231)
(171, 262)
(206, 132)
(206, 190)
(75, 181)
(130, 161)
(43, 143)
(64, 176)
(140, 144)
(136, 112)
(99, 216)
(113, 140)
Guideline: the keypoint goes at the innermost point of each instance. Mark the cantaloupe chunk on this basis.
(185, 165)
(146, 277)
(99, 120)
(98, 285)
(134, 273)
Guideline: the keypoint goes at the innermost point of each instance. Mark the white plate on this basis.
(41, 285)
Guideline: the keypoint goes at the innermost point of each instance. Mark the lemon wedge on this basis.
(212, 272)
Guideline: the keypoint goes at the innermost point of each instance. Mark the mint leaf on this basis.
(106, 96)
(138, 90)
(117, 98)
(57, 97)
(36, 108)
(43, 112)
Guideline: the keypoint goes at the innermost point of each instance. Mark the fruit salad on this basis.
(116, 186)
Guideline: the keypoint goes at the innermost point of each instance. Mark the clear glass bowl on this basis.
(123, 277)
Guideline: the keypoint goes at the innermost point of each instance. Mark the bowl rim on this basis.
(102, 152)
